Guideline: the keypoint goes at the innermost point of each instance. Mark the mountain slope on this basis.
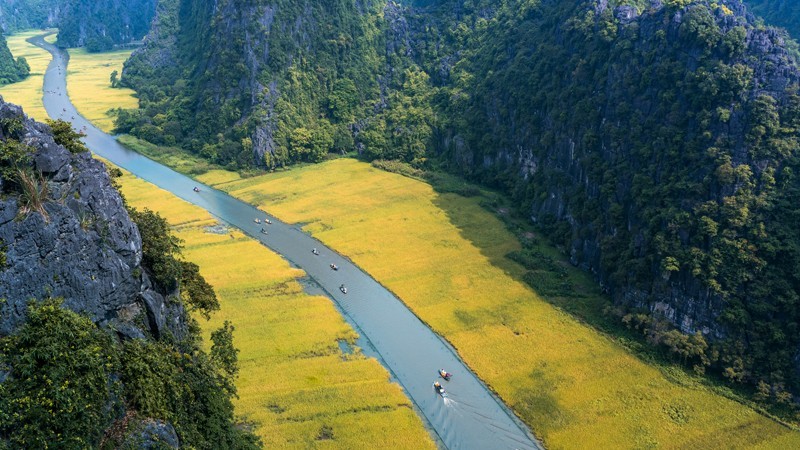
(99, 25)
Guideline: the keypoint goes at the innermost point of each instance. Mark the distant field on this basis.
(444, 255)
(89, 85)
(28, 92)
(293, 378)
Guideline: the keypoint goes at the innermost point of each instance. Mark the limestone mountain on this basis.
(99, 25)
(18, 15)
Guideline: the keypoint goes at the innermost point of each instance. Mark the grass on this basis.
(89, 85)
(445, 256)
(174, 157)
(295, 384)
(28, 92)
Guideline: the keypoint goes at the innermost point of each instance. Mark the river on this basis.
(470, 417)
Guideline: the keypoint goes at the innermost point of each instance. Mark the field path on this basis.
(470, 417)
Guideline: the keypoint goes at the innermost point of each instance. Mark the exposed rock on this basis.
(154, 434)
(87, 250)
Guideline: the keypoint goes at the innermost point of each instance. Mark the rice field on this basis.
(295, 384)
(444, 256)
(89, 85)
(28, 92)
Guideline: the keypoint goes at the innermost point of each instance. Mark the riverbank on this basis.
(446, 257)
(296, 385)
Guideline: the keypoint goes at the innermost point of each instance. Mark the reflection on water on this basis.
(469, 417)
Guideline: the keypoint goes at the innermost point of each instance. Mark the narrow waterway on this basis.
(470, 417)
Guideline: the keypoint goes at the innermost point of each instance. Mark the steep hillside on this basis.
(655, 141)
(99, 25)
(658, 148)
(18, 15)
(264, 83)
(96, 345)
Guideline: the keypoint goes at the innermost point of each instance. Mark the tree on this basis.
(114, 79)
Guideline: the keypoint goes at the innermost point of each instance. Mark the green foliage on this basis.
(11, 71)
(160, 249)
(318, 83)
(188, 389)
(14, 156)
(197, 294)
(65, 135)
(60, 386)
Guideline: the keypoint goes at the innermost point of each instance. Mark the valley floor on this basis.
(295, 384)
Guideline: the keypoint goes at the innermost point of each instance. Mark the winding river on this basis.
(470, 417)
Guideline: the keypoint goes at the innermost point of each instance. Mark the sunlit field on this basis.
(28, 92)
(295, 384)
(89, 85)
(444, 256)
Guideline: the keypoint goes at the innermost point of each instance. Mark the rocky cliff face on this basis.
(84, 249)
(18, 15)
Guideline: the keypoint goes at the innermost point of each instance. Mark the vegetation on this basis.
(11, 70)
(99, 25)
(59, 388)
(327, 83)
(65, 135)
(289, 339)
(28, 92)
(569, 382)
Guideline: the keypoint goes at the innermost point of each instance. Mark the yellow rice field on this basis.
(294, 380)
(28, 92)
(444, 256)
(89, 85)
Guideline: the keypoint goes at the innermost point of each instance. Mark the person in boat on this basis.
(264, 231)
(445, 374)
(343, 289)
(196, 189)
(438, 387)
(257, 220)
(334, 266)
(314, 251)
(268, 222)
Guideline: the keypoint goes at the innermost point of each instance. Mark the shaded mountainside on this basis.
(656, 141)
(658, 149)
(99, 25)
(16, 15)
(96, 343)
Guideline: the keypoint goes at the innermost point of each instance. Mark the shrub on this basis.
(59, 384)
